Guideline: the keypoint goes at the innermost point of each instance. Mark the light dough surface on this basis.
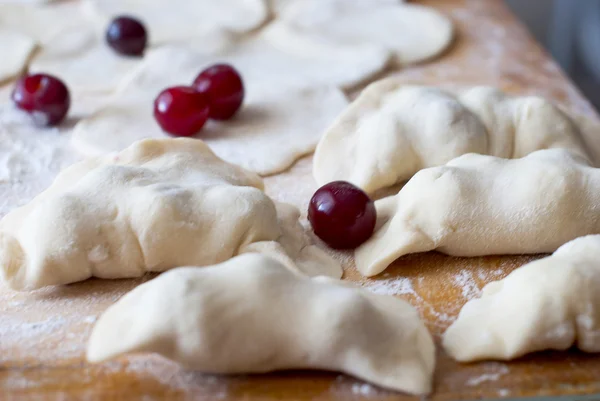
(16, 49)
(276, 125)
(409, 32)
(86, 64)
(393, 130)
(552, 303)
(482, 205)
(39, 22)
(158, 204)
(182, 20)
(252, 315)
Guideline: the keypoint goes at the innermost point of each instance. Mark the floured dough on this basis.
(251, 315)
(182, 20)
(39, 22)
(552, 303)
(410, 32)
(483, 205)
(275, 126)
(15, 49)
(85, 63)
(393, 130)
(257, 60)
(278, 7)
(158, 204)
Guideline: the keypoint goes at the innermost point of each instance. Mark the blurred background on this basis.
(570, 31)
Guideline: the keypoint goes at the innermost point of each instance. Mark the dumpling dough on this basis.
(39, 22)
(276, 125)
(393, 130)
(482, 205)
(278, 7)
(182, 20)
(251, 315)
(85, 63)
(409, 32)
(552, 303)
(158, 204)
(16, 49)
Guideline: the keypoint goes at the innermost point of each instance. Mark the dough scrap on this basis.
(276, 125)
(393, 130)
(158, 204)
(409, 32)
(85, 63)
(193, 20)
(16, 49)
(552, 303)
(223, 319)
(482, 205)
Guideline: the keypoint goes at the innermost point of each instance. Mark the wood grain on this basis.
(42, 356)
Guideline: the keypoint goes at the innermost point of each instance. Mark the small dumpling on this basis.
(552, 303)
(158, 204)
(482, 205)
(393, 130)
(252, 315)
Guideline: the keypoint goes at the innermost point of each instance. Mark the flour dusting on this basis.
(488, 377)
(390, 286)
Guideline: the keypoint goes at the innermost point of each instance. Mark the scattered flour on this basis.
(503, 392)
(363, 389)
(488, 377)
(391, 286)
(469, 287)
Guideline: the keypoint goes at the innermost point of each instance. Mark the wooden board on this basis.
(43, 334)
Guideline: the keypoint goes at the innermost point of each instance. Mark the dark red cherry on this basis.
(224, 88)
(43, 96)
(181, 110)
(127, 36)
(342, 215)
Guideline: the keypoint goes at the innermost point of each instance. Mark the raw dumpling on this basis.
(276, 125)
(251, 315)
(552, 303)
(393, 130)
(85, 63)
(483, 205)
(169, 21)
(158, 204)
(15, 49)
(409, 32)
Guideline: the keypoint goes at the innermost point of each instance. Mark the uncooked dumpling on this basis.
(251, 315)
(85, 63)
(15, 49)
(552, 303)
(393, 130)
(158, 204)
(169, 21)
(276, 125)
(482, 205)
(409, 32)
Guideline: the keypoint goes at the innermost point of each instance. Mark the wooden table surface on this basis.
(43, 334)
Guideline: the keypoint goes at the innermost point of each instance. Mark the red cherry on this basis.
(181, 110)
(342, 215)
(225, 89)
(127, 36)
(43, 96)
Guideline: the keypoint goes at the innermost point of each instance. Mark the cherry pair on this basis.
(217, 93)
